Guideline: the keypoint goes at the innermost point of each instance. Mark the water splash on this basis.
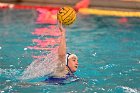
(41, 67)
(47, 62)
(46, 42)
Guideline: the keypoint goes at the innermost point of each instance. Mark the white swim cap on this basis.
(72, 55)
(68, 56)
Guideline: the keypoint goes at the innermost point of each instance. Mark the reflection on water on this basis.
(46, 16)
(107, 47)
(46, 62)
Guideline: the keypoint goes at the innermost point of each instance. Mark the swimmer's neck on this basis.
(68, 70)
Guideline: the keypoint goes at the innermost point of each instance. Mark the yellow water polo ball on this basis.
(66, 15)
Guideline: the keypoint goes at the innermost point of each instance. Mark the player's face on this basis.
(73, 64)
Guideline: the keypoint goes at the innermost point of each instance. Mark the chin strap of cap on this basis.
(67, 58)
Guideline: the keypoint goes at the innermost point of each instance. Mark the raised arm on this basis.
(62, 46)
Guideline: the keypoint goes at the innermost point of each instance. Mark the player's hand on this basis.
(61, 27)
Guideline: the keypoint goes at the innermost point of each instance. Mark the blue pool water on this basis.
(108, 49)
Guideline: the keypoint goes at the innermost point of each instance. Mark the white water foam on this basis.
(129, 90)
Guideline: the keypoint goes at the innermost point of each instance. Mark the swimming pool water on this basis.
(108, 49)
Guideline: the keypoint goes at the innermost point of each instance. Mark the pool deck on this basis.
(126, 5)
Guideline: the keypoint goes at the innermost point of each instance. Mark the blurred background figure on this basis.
(123, 20)
(82, 4)
(47, 16)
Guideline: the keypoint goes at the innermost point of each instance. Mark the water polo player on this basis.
(69, 62)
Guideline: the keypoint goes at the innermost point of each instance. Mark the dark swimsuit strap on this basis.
(70, 72)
